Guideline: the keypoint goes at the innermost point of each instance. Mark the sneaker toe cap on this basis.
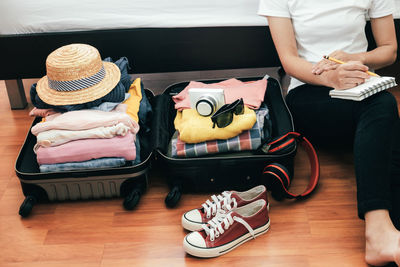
(196, 239)
(193, 216)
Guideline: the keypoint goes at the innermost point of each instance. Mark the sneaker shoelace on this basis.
(221, 222)
(223, 201)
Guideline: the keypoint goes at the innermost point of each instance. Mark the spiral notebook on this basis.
(371, 86)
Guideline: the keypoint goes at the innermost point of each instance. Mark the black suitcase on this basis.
(127, 181)
(215, 173)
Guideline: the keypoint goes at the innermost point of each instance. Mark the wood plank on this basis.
(323, 230)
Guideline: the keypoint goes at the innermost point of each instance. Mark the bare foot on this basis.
(382, 247)
(397, 255)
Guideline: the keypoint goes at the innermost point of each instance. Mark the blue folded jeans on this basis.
(90, 164)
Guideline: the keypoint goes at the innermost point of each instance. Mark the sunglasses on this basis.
(224, 116)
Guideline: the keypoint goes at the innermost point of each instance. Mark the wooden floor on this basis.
(321, 231)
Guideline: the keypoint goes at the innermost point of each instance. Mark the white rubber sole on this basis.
(220, 250)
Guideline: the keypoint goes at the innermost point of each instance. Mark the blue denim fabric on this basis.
(137, 145)
(123, 65)
(145, 111)
(116, 95)
(108, 106)
(90, 164)
(144, 120)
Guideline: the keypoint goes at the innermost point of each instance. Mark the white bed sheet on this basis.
(38, 16)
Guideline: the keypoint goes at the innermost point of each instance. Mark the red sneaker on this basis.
(227, 231)
(194, 219)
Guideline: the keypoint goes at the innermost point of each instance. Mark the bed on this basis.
(156, 37)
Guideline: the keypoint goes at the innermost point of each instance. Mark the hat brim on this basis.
(60, 98)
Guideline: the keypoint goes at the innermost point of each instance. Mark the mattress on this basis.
(46, 16)
(26, 17)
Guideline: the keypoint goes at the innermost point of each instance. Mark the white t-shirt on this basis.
(322, 26)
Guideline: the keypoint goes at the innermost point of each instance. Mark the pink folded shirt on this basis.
(251, 92)
(42, 112)
(85, 119)
(87, 149)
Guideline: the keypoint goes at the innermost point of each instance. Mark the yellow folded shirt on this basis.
(194, 128)
(133, 102)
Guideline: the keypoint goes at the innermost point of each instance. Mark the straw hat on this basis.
(76, 75)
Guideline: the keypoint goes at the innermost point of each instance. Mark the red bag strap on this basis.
(272, 169)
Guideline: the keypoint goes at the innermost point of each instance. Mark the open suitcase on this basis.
(127, 181)
(218, 172)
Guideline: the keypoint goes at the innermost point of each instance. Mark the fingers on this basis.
(353, 72)
(323, 65)
(354, 66)
(351, 79)
(326, 65)
(348, 86)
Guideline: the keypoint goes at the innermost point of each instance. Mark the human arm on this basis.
(343, 76)
(383, 55)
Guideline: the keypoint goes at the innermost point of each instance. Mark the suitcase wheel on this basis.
(132, 199)
(173, 197)
(26, 206)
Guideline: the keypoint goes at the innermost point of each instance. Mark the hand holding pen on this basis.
(342, 62)
(341, 75)
(331, 62)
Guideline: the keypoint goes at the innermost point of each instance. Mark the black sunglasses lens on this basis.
(224, 119)
(239, 109)
(224, 116)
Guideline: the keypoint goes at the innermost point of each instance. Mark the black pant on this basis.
(369, 126)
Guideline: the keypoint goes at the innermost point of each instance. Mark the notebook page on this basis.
(372, 85)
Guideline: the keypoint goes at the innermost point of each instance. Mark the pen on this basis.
(341, 62)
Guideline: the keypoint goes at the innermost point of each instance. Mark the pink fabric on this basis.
(42, 112)
(251, 92)
(87, 149)
(84, 119)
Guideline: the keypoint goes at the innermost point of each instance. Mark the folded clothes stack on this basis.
(197, 135)
(91, 111)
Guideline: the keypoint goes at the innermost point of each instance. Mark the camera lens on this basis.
(206, 105)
